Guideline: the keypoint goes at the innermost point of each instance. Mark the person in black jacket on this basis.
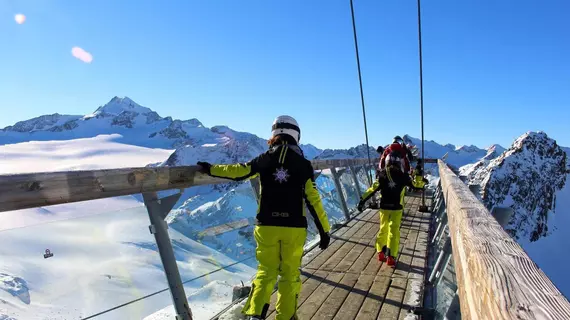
(287, 185)
(391, 183)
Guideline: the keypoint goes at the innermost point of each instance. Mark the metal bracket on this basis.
(161, 206)
(158, 209)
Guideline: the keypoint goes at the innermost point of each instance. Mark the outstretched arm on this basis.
(238, 171)
(370, 191)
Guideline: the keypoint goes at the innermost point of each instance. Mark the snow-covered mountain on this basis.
(352, 153)
(132, 124)
(532, 178)
(526, 177)
(457, 156)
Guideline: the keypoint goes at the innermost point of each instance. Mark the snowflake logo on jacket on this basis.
(281, 175)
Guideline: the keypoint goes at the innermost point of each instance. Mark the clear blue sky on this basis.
(492, 69)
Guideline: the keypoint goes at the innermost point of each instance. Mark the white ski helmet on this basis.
(286, 125)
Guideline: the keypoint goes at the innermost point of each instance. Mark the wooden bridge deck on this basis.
(347, 281)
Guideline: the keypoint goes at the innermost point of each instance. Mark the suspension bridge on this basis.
(453, 244)
(455, 260)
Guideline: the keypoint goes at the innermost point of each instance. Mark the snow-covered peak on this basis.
(526, 178)
(310, 151)
(469, 149)
(496, 148)
(118, 105)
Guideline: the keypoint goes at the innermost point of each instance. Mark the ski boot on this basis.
(391, 261)
(382, 254)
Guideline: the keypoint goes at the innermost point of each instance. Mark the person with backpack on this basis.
(391, 184)
(399, 148)
(287, 185)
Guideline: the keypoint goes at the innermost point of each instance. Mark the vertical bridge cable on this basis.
(421, 93)
(361, 90)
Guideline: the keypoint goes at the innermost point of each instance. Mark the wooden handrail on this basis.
(22, 191)
(495, 277)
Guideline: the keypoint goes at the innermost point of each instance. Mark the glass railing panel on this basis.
(444, 286)
(79, 266)
(350, 193)
(211, 231)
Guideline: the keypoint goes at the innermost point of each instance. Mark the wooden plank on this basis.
(347, 260)
(351, 305)
(323, 255)
(367, 255)
(393, 302)
(375, 297)
(495, 277)
(22, 191)
(335, 300)
(335, 246)
(317, 298)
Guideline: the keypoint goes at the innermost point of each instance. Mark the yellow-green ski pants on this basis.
(389, 234)
(279, 253)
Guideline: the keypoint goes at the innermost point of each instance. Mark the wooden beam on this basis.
(495, 277)
(22, 191)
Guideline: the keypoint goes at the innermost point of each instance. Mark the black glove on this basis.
(360, 206)
(325, 240)
(205, 166)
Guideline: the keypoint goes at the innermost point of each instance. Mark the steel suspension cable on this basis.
(361, 90)
(421, 93)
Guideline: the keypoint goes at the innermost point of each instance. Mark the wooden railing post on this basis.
(496, 279)
(338, 185)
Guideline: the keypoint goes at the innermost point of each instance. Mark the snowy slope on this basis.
(99, 262)
(100, 246)
(101, 152)
(550, 252)
(206, 302)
